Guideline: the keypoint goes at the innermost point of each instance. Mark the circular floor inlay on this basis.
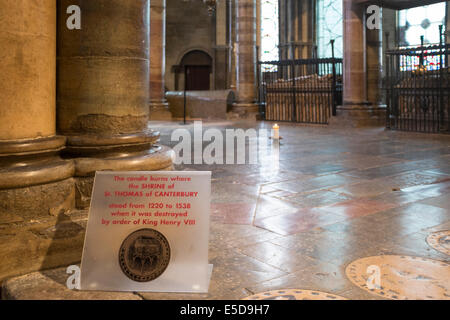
(440, 241)
(294, 294)
(402, 277)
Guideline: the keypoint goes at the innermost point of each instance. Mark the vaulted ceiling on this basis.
(399, 4)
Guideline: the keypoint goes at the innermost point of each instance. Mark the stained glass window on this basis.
(329, 27)
(431, 60)
(269, 30)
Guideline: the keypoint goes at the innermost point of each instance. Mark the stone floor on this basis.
(338, 195)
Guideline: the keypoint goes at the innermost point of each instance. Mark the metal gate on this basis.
(306, 90)
(418, 88)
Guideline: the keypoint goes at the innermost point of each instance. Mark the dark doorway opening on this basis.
(198, 67)
(197, 77)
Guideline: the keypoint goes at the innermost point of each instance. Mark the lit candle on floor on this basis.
(276, 132)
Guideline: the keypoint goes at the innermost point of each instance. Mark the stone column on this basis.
(354, 55)
(258, 30)
(233, 43)
(292, 27)
(447, 25)
(282, 27)
(297, 29)
(229, 23)
(159, 109)
(307, 30)
(103, 91)
(245, 107)
(373, 56)
(221, 48)
(35, 183)
(389, 22)
(356, 110)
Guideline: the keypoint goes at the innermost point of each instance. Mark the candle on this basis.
(276, 132)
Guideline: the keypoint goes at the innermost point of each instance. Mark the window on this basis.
(421, 21)
(329, 27)
(269, 30)
(417, 22)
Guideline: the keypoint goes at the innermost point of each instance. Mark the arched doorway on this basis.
(197, 65)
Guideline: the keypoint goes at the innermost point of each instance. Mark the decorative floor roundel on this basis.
(294, 294)
(401, 277)
(440, 241)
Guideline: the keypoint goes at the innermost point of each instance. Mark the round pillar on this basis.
(246, 59)
(374, 48)
(307, 30)
(30, 166)
(354, 54)
(297, 29)
(103, 91)
(36, 185)
(356, 110)
(158, 104)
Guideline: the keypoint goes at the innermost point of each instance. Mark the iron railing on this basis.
(306, 90)
(418, 88)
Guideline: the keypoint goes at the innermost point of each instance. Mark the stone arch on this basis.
(197, 66)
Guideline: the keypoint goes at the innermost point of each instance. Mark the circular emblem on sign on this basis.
(144, 255)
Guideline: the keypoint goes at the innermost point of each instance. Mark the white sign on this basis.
(148, 231)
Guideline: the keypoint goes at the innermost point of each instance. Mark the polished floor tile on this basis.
(317, 198)
(234, 213)
(302, 220)
(358, 208)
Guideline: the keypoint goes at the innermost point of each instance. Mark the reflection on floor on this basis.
(340, 203)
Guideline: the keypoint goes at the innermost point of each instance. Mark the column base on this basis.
(359, 116)
(244, 111)
(160, 111)
(42, 244)
(36, 191)
(34, 180)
